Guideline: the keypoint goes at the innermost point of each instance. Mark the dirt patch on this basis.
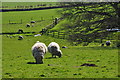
(42, 75)
(88, 64)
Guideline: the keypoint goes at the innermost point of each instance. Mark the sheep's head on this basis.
(59, 54)
(40, 49)
(53, 49)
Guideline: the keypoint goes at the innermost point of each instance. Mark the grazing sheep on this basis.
(28, 25)
(54, 49)
(108, 43)
(43, 31)
(64, 47)
(20, 37)
(102, 44)
(37, 35)
(33, 25)
(33, 22)
(39, 50)
(20, 31)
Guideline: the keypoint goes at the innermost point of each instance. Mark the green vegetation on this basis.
(90, 20)
(62, 26)
(46, 15)
(81, 61)
(16, 58)
(23, 5)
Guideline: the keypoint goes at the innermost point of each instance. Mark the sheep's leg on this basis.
(39, 60)
(52, 55)
(55, 56)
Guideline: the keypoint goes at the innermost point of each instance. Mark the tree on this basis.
(91, 19)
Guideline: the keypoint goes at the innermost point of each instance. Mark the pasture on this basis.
(92, 61)
(18, 60)
(27, 16)
(26, 5)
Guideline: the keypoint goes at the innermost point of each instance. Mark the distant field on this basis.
(20, 5)
(26, 16)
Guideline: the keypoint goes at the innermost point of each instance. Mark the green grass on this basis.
(16, 55)
(12, 5)
(62, 26)
(26, 17)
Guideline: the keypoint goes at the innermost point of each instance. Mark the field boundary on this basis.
(7, 10)
(57, 34)
(16, 33)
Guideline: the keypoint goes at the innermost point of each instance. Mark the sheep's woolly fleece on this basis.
(39, 49)
(54, 49)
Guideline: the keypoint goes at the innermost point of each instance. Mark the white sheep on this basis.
(20, 31)
(20, 37)
(33, 21)
(39, 49)
(28, 25)
(54, 49)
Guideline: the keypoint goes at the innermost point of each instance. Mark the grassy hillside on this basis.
(17, 59)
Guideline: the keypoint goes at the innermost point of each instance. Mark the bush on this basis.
(85, 44)
(117, 43)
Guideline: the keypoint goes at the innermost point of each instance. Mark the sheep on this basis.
(54, 49)
(33, 22)
(108, 43)
(102, 44)
(39, 49)
(20, 31)
(28, 25)
(43, 31)
(32, 25)
(37, 35)
(20, 37)
(64, 47)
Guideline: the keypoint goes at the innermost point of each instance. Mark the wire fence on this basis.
(57, 34)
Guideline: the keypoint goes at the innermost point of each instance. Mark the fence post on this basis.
(53, 33)
(58, 34)
(21, 21)
(63, 35)
(9, 21)
(47, 32)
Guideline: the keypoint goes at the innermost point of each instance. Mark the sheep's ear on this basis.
(40, 47)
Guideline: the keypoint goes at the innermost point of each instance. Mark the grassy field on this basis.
(26, 16)
(17, 5)
(17, 59)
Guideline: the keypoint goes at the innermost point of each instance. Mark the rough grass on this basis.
(18, 60)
